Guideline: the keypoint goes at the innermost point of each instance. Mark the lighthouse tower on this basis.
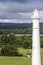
(36, 39)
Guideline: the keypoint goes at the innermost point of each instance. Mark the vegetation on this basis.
(23, 41)
(19, 31)
(17, 41)
(16, 31)
(4, 60)
(11, 45)
(9, 51)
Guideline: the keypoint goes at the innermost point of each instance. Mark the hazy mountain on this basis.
(17, 25)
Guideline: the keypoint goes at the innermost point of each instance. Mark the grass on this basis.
(24, 51)
(41, 56)
(4, 60)
(15, 61)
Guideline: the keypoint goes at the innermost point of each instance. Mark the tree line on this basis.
(17, 41)
(9, 44)
(19, 31)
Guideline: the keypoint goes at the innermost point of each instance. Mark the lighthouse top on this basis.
(35, 14)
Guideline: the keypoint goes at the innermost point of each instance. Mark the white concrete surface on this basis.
(36, 60)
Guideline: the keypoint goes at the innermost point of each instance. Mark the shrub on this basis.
(9, 51)
(20, 55)
(26, 45)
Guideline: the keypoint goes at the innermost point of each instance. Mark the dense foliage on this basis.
(16, 31)
(18, 41)
(9, 51)
(19, 31)
(23, 41)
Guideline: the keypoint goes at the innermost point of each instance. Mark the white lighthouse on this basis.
(36, 60)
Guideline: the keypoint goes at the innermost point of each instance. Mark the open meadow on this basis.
(6, 60)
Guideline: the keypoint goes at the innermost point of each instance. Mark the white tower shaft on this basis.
(36, 41)
(36, 44)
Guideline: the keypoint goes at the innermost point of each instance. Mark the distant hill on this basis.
(17, 25)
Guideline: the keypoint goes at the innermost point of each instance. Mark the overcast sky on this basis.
(19, 11)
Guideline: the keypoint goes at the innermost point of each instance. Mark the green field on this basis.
(4, 60)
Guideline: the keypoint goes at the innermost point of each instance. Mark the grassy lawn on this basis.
(15, 61)
(41, 56)
(4, 60)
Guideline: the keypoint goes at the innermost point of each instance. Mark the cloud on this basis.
(22, 18)
(13, 21)
(17, 7)
(19, 1)
(20, 12)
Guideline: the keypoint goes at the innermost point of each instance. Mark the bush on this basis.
(9, 51)
(26, 45)
(20, 55)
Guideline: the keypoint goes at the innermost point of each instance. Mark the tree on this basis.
(10, 40)
(41, 40)
(26, 45)
(26, 42)
(9, 51)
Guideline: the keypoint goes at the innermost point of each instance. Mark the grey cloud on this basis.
(19, 1)
(17, 16)
(10, 10)
(17, 7)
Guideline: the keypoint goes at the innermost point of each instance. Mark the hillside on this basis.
(17, 25)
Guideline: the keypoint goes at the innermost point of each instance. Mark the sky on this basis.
(19, 11)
